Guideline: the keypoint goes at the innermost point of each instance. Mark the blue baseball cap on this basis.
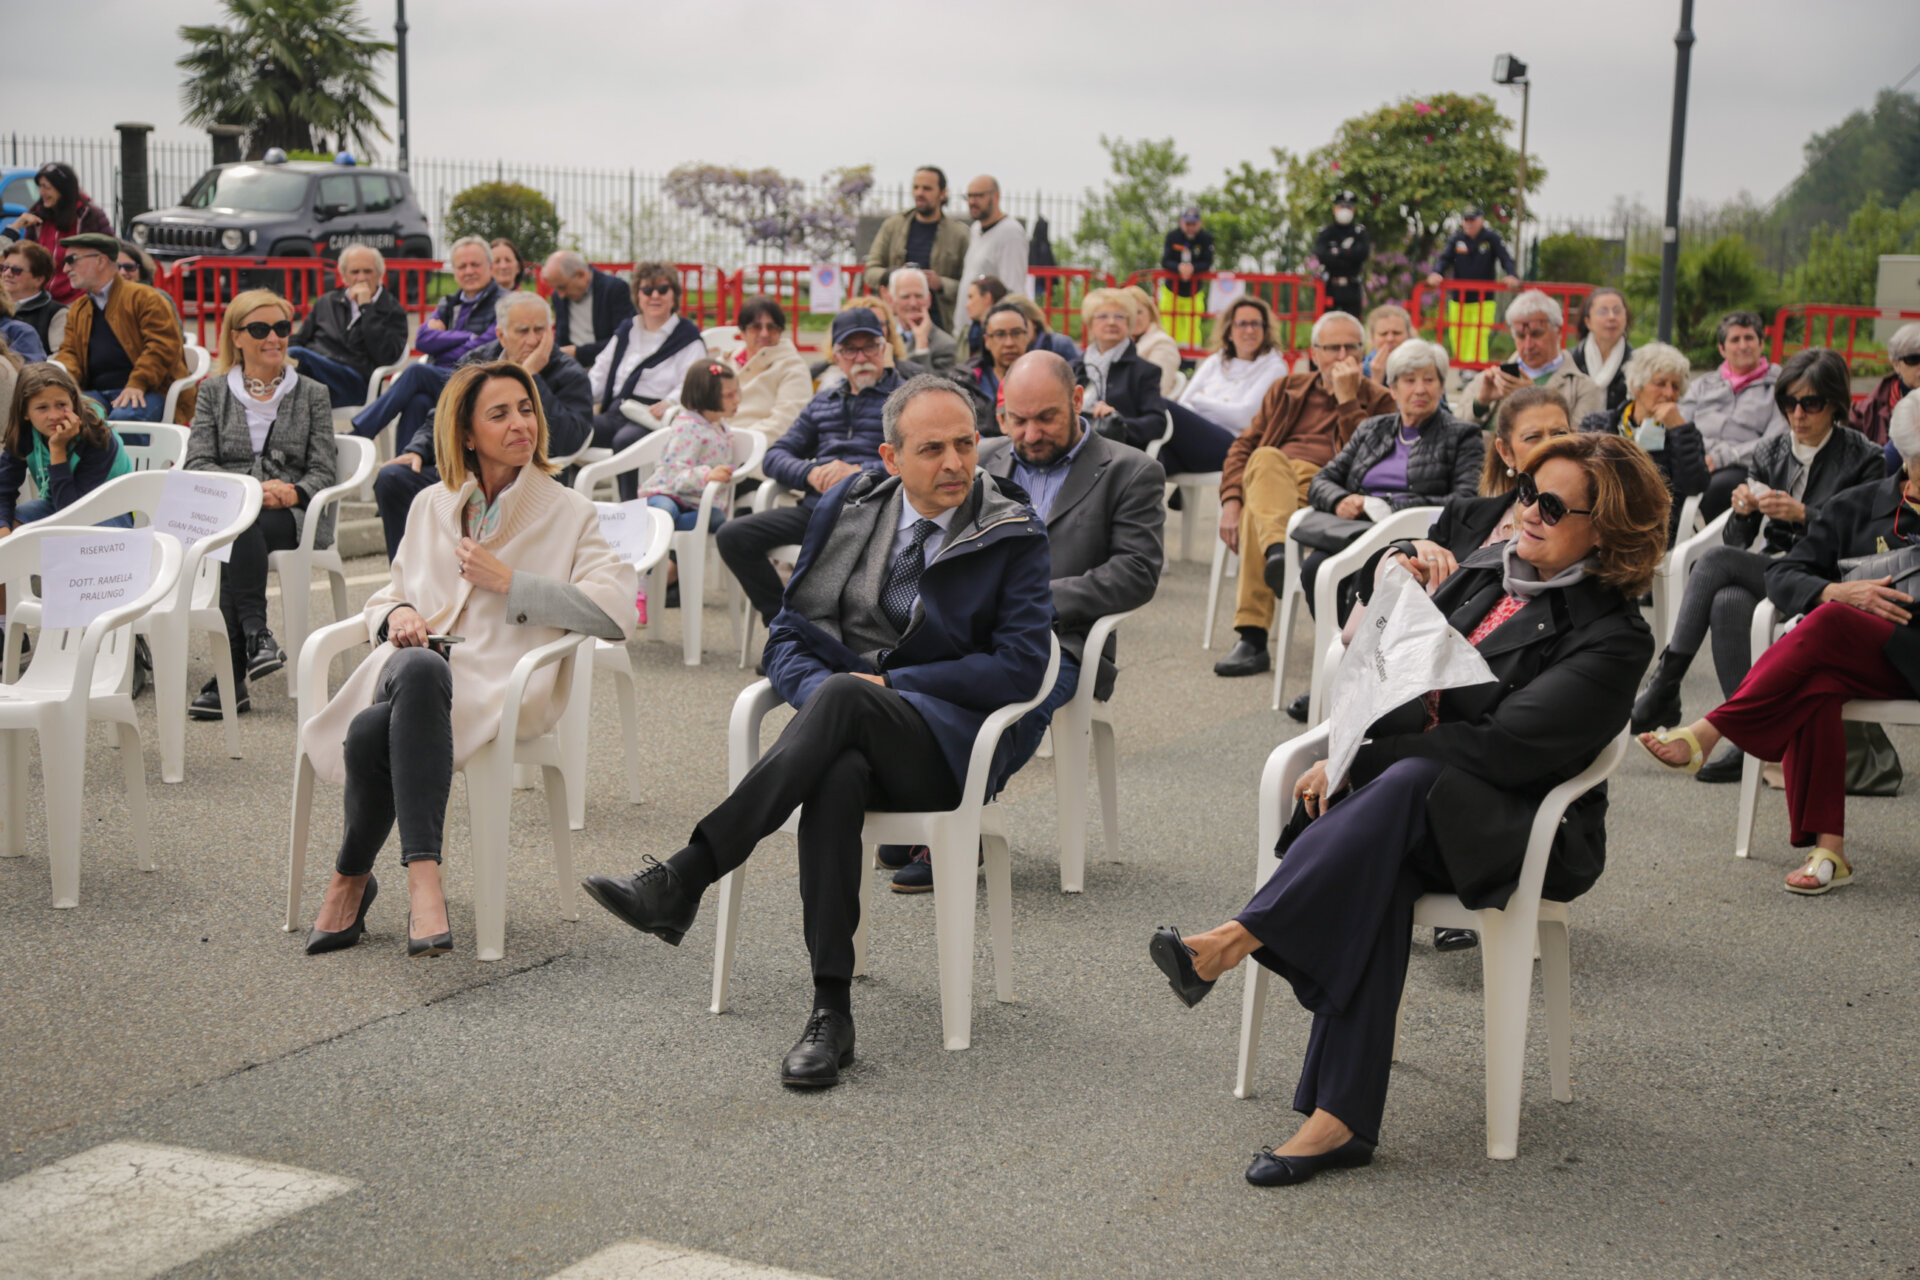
(856, 320)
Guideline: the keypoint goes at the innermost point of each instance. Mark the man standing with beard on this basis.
(925, 237)
(837, 435)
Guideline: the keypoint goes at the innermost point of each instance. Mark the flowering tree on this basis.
(768, 208)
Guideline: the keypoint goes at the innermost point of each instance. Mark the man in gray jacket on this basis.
(928, 345)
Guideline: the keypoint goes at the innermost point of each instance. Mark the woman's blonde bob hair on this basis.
(1629, 503)
(240, 311)
(1098, 298)
(453, 419)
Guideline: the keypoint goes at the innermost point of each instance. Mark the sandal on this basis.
(1694, 761)
(1826, 869)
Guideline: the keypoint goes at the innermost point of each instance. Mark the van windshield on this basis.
(248, 186)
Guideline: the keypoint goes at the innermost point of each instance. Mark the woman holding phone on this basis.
(498, 559)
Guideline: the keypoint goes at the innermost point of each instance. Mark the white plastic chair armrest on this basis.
(1692, 548)
(1546, 819)
(980, 763)
(1408, 522)
(376, 381)
(1760, 637)
(1285, 764)
(743, 728)
(331, 495)
(316, 655)
(544, 656)
(1103, 627)
(659, 541)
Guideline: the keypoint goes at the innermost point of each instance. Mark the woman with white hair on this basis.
(463, 321)
(1873, 414)
(1856, 641)
(1655, 378)
(1535, 323)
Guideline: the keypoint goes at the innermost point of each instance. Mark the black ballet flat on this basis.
(1270, 1170)
(438, 945)
(320, 941)
(1175, 959)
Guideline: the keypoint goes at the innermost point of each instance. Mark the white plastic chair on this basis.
(168, 626)
(166, 445)
(1670, 576)
(612, 659)
(489, 784)
(955, 838)
(722, 339)
(1767, 629)
(1413, 522)
(1193, 487)
(1154, 446)
(384, 441)
(1507, 940)
(1081, 727)
(199, 364)
(691, 546)
(78, 674)
(1226, 564)
(354, 464)
(769, 495)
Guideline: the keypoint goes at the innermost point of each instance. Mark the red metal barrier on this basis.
(1467, 335)
(202, 287)
(1296, 301)
(1830, 325)
(783, 281)
(1060, 291)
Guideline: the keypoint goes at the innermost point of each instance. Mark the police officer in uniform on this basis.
(1343, 248)
(1472, 253)
(1188, 253)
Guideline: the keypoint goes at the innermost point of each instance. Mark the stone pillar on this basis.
(135, 181)
(226, 142)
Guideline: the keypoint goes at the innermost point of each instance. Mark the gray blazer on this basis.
(299, 446)
(1105, 537)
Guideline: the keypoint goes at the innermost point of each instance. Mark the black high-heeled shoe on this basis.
(320, 941)
(438, 945)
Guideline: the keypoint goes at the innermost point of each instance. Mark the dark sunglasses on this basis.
(1909, 361)
(654, 290)
(1806, 404)
(259, 329)
(1553, 508)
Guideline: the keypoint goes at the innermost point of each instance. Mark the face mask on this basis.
(1343, 216)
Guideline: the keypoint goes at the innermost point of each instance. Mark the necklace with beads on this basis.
(1402, 433)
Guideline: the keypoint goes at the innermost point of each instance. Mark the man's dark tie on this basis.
(903, 576)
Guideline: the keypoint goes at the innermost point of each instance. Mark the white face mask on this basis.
(1343, 216)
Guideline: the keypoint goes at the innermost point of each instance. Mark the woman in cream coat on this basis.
(774, 382)
(504, 556)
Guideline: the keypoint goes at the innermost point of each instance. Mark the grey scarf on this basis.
(1099, 365)
(1524, 581)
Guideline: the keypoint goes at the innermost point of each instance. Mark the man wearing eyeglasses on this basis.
(997, 244)
(836, 436)
(123, 343)
(1305, 419)
(25, 272)
(1536, 323)
(352, 330)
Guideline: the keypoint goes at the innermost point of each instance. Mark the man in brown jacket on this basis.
(123, 343)
(1304, 421)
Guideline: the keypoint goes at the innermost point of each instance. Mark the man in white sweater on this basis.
(997, 243)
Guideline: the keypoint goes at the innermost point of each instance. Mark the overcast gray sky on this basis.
(1025, 89)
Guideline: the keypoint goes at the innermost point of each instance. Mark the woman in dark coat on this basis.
(1856, 641)
(1447, 786)
(1123, 393)
(1649, 414)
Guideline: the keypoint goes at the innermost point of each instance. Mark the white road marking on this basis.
(132, 1210)
(320, 584)
(655, 1260)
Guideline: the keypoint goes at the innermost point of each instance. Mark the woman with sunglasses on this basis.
(62, 210)
(646, 361)
(258, 417)
(1789, 478)
(1872, 415)
(1446, 786)
(134, 264)
(1855, 641)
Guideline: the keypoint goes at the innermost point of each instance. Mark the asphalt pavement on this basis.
(1744, 1059)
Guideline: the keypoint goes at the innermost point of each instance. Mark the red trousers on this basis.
(1788, 709)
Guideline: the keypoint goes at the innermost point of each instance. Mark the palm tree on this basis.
(296, 73)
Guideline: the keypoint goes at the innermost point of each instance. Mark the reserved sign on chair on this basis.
(196, 505)
(84, 575)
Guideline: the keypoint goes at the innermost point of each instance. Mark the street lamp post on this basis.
(400, 58)
(1508, 69)
(1670, 232)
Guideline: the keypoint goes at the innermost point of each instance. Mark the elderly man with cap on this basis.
(588, 304)
(1188, 253)
(837, 435)
(1473, 252)
(1343, 249)
(123, 343)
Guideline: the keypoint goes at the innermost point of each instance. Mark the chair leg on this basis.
(1749, 801)
(999, 859)
(63, 762)
(229, 713)
(168, 644)
(693, 593)
(1072, 738)
(297, 838)
(571, 733)
(13, 772)
(955, 849)
(629, 730)
(1284, 640)
(727, 933)
(860, 930)
(1556, 982)
(133, 763)
(296, 612)
(1253, 1011)
(337, 587)
(1214, 575)
(489, 801)
(1507, 966)
(1105, 762)
(557, 795)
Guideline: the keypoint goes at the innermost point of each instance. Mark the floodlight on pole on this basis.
(1509, 70)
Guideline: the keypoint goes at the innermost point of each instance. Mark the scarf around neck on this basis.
(1098, 365)
(1602, 371)
(1523, 580)
(1738, 382)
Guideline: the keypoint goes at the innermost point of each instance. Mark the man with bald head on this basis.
(997, 245)
(588, 305)
(352, 330)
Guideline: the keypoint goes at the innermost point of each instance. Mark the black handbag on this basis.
(1873, 766)
(1324, 531)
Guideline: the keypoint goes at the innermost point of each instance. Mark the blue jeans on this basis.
(683, 520)
(346, 385)
(410, 397)
(40, 508)
(148, 412)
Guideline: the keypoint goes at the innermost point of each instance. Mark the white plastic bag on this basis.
(1405, 648)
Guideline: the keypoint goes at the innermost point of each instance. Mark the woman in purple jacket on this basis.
(462, 322)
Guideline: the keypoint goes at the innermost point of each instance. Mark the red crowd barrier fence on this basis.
(1296, 301)
(1832, 325)
(1060, 291)
(790, 284)
(202, 287)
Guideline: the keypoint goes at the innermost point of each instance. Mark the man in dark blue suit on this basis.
(588, 305)
(920, 605)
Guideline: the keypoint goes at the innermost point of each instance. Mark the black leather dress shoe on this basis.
(1270, 1170)
(824, 1047)
(1725, 767)
(207, 705)
(319, 941)
(652, 900)
(1244, 659)
(1298, 708)
(1454, 939)
(1275, 571)
(1175, 959)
